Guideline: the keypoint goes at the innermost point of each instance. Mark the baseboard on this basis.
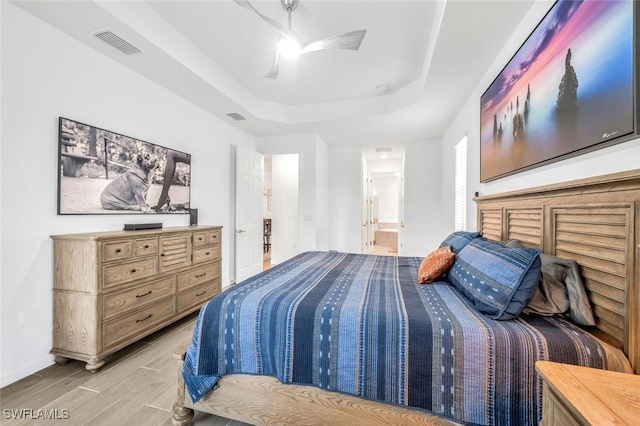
(8, 377)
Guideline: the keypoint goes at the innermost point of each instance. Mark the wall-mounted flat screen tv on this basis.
(572, 87)
(103, 172)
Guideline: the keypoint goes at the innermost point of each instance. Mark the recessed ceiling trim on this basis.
(118, 42)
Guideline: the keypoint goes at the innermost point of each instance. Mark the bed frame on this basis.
(594, 221)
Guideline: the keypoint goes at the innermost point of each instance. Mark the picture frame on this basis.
(572, 87)
(103, 172)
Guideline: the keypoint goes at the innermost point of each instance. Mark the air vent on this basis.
(236, 116)
(383, 149)
(117, 42)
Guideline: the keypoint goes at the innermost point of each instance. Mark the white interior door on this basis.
(364, 231)
(401, 212)
(249, 209)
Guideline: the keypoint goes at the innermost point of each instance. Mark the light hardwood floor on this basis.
(384, 250)
(137, 386)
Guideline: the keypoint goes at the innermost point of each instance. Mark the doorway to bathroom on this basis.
(383, 200)
(386, 206)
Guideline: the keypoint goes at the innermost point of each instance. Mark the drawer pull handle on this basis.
(144, 319)
(161, 254)
(200, 294)
(200, 239)
(143, 295)
(133, 271)
(207, 253)
(201, 275)
(146, 246)
(118, 250)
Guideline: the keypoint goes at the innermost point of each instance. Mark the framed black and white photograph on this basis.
(103, 172)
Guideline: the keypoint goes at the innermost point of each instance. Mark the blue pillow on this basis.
(499, 280)
(458, 240)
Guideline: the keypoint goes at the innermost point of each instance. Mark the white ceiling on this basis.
(430, 54)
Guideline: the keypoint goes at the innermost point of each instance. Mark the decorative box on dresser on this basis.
(573, 395)
(110, 289)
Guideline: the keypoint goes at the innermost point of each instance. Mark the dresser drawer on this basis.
(134, 323)
(127, 300)
(121, 273)
(130, 248)
(212, 236)
(206, 254)
(117, 250)
(198, 276)
(145, 247)
(198, 295)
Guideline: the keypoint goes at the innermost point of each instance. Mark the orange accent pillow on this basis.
(435, 264)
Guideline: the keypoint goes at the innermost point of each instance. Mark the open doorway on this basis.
(280, 208)
(383, 200)
(385, 189)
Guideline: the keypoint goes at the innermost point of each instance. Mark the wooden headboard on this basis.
(594, 221)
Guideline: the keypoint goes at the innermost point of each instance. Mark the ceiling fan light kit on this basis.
(289, 48)
(289, 45)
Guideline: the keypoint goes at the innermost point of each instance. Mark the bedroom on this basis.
(46, 74)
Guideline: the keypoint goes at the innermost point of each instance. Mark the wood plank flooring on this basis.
(384, 250)
(137, 386)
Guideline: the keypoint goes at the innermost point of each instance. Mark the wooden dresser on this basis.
(573, 395)
(110, 289)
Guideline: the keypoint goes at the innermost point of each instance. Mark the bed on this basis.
(342, 338)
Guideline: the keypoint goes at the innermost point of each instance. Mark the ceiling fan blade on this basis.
(273, 72)
(277, 25)
(350, 40)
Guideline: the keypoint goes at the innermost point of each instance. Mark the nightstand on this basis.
(575, 395)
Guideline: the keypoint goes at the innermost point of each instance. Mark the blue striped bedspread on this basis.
(361, 325)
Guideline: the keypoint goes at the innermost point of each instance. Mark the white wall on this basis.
(345, 209)
(285, 227)
(384, 166)
(386, 186)
(322, 195)
(426, 222)
(621, 157)
(45, 74)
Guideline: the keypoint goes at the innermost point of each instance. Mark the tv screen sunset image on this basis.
(569, 87)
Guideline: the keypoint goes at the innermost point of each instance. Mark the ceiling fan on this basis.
(290, 45)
